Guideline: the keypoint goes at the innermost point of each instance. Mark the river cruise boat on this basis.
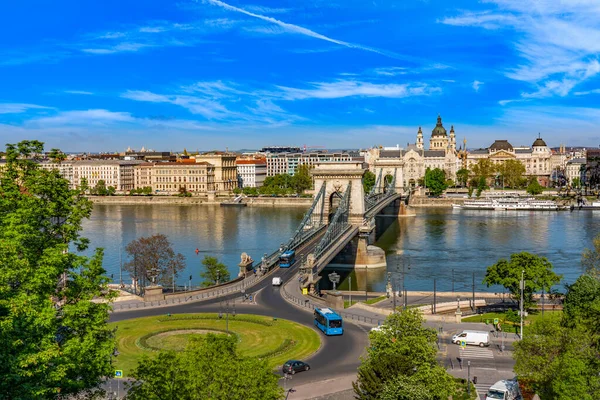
(510, 204)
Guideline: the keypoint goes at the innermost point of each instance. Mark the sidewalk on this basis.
(339, 388)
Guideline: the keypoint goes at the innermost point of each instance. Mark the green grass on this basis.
(258, 336)
(369, 301)
(508, 326)
(461, 391)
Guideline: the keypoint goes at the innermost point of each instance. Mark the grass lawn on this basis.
(369, 301)
(276, 340)
(508, 326)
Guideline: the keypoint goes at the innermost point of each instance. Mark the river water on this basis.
(435, 244)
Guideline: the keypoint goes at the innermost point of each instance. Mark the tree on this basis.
(402, 352)
(369, 180)
(100, 188)
(576, 183)
(483, 168)
(481, 185)
(590, 259)
(302, 180)
(209, 368)
(582, 304)
(152, 259)
(462, 176)
(435, 180)
(111, 190)
(427, 383)
(84, 186)
(538, 275)
(54, 338)
(534, 188)
(215, 271)
(511, 172)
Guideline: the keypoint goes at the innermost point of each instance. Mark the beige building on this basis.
(225, 170)
(65, 169)
(116, 173)
(173, 178)
(575, 169)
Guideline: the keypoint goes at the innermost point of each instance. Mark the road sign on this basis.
(305, 291)
(495, 321)
(463, 344)
(118, 373)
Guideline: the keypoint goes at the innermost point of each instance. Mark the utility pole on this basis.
(173, 280)
(542, 301)
(452, 280)
(469, 379)
(434, 295)
(366, 284)
(522, 289)
(350, 285)
(473, 305)
(120, 268)
(394, 292)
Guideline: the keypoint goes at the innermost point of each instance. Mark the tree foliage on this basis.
(282, 184)
(590, 259)
(369, 180)
(511, 173)
(534, 188)
(462, 176)
(215, 272)
(54, 338)
(538, 274)
(152, 259)
(400, 354)
(100, 188)
(435, 180)
(209, 368)
(559, 358)
(483, 168)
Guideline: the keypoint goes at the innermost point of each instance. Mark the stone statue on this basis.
(245, 259)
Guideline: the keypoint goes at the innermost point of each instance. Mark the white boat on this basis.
(510, 204)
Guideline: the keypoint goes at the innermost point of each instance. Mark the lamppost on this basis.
(522, 289)
(452, 280)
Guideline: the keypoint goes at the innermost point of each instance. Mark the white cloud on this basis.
(126, 47)
(348, 88)
(391, 71)
(18, 108)
(476, 85)
(82, 92)
(558, 42)
(83, 117)
(291, 28)
(584, 93)
(267, 10)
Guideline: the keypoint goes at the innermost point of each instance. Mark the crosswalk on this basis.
(476, 352)
(482, 389)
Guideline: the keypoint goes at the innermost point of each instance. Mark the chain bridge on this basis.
(341, 220)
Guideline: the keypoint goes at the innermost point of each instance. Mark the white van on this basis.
(277, 281)
(504, 390)
(477, 338)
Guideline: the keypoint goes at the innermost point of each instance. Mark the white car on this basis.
(277, 281)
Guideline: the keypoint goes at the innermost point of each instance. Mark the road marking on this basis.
(476, 353)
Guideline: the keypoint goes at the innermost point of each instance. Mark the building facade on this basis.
(64, 168)
(225, 170)
(287, 163)
(575, 168)
(117, 173)
(251, 173)
(173, 178)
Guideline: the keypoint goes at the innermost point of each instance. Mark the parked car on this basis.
(293, 366)
(504, 390)
(477, 338)
(277, 281)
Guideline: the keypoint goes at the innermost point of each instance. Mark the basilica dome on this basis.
(439, 129)
(539, 142)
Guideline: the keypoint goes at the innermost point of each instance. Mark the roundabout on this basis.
(275, 340)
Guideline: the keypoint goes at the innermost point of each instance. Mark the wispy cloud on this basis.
(79, 117)
(350, 88)
(476, 85)
(296, 29)
(391, 71)
(593, 91)
(118, 48)
(82, 92)
(558, 41)
(18, 108)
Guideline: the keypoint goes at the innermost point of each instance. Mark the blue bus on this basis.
(287, 259)
(328, 321)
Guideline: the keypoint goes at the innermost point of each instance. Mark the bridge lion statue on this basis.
(246, 259)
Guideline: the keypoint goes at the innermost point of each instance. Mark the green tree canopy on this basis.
(462, 176)
(369, 180)
(435, 180)
(152, 259)
(401, 353)
(590, 259)
(511, 172)
(483, 168)
(538, 274)
(534, 188)
(209, 368)
(215, 272)
(302, 180)
(54, 338)
(100, 188)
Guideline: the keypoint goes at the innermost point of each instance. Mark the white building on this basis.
(116, 173)
(574, 170)
(286, 163)
(251, 172)
(65, 169)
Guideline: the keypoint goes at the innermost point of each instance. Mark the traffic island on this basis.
(276, 340)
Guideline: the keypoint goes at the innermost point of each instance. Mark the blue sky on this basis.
(104, 75)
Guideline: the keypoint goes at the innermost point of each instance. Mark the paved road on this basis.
(339, 355)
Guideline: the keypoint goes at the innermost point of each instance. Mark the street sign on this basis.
(463, 344)
(495, 321)
(118, 373)
(304, 291)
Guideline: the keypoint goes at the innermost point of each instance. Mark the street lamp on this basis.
(522, 289)
(452, 280)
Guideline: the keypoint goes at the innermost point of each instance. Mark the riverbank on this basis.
(201, 200)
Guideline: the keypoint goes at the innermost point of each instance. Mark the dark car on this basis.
(293, 366)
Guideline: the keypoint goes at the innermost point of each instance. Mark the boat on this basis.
(594, 206)
(510, 204)
(237, 202)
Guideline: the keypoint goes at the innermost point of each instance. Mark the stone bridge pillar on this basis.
(390, 167)
(337, 175)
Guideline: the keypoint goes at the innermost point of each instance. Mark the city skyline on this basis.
(244, 74)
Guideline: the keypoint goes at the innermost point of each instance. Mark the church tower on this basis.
(420, 139)
(439, 138)
(452, 144)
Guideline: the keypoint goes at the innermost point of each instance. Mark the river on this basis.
(435, 244)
